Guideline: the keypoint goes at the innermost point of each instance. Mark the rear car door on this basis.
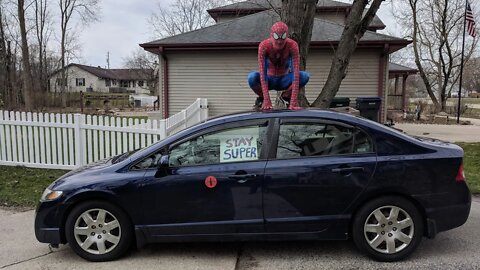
(213, 184)
(317, 170)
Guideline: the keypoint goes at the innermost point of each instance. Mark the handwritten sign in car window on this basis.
(239, 145)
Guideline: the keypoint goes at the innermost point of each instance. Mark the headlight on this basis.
(50, 195)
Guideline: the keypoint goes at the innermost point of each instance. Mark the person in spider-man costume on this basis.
(279, 69)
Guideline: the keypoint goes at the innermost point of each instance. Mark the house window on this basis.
(124, 84)
(140, 83)
(80, 81)
(108, 83)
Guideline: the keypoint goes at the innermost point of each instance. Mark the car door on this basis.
(212, 185)
(317, 170)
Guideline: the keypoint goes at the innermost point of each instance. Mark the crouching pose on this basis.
(279, 69)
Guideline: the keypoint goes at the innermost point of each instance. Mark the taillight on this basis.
(460, 175)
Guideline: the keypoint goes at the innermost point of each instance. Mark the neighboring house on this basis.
(213, 62)
(454, 92)
(97, 79)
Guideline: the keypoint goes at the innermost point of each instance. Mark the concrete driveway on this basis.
(450, 133)
(456, 249)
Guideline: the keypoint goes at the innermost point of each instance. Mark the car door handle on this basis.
(348, 170)
(242, 178)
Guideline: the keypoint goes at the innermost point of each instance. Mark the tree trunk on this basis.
(299, 15)
(27, 71)
(355, 28)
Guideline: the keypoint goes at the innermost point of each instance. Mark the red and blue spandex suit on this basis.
(279, 64)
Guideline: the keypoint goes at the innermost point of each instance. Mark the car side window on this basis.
(226, 146)
(320, 139)
(149, 162)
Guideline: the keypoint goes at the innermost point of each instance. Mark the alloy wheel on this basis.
(97, 231)
(389, 229)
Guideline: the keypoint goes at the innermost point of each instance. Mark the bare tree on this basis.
(299, 15)
(27, 78)
(436, 29)
(86, 10)
(355, 27)
(471, 76)
(42, 31)
(6, 95)
(146, 63)
(182, 16)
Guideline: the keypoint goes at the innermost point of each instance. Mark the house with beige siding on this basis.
(213, 62)
(96, 79)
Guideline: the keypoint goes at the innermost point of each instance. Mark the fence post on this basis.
(79, 142)
(204, 109)
(162, 126)
(184, 114)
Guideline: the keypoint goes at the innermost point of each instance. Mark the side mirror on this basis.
(163, 167)
(163, 162)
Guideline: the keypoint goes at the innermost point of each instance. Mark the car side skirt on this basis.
(339, 230)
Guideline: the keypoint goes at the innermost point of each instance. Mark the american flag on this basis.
(470, 21)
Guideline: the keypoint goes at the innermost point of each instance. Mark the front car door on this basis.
(213, 184)
(319, 168)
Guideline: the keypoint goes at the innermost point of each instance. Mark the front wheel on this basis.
(388, 228)
(98, 231)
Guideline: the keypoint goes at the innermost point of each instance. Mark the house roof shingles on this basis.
(117, 74)
(251, 6)
(254, 4)
(399, 69)
(252, 29)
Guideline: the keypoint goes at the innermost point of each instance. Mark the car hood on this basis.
(81, 174)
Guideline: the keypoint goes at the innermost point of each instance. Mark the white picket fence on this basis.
(68, 141)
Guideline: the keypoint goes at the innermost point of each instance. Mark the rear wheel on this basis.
(98, 231)
(388, 228)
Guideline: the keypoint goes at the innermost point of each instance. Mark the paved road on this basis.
(456, 249)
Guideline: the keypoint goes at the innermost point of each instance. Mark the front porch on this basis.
(397, 95)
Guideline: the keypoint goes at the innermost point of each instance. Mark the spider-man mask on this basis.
(278, 35)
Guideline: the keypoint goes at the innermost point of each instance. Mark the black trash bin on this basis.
(340, 102)
(369, 107)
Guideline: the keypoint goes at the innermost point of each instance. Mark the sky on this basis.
(124, 24)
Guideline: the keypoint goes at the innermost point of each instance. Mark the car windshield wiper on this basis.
(123, 156)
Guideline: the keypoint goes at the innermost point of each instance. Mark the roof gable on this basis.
(253, 6)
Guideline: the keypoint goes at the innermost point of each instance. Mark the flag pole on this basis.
(461, 66)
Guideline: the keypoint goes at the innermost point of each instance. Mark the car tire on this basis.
(98, 231)
(388, 228)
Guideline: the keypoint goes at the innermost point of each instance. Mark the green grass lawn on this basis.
(472, 165)
(21, 186)
(471, 100)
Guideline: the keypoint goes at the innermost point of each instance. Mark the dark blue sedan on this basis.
(280, 175)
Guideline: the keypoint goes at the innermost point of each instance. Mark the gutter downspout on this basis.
(165, 81)
(382, 65)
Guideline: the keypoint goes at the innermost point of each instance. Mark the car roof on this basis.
(309, 112)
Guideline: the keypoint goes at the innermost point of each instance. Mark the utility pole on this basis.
(108, 60)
